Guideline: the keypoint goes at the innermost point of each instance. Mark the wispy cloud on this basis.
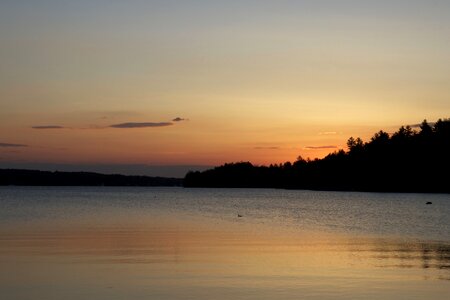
(178, 119)
(48, 127)
(320, 147)
(329, 133)
(267, 148)
(141, 125)
(12, 151)
(418, 125)
(8, 145)
(119, 125)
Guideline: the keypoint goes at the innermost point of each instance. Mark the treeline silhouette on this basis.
(406, 161)
(45, 178)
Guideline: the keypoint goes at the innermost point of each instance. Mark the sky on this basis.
(192, 83)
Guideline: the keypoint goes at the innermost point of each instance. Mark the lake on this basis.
(176, 243)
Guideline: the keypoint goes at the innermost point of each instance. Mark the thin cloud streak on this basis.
(178, 119)
(321, 147)
(267, 148)
(120, 125)
(48, 127)
(8, 145)
(418, 125)
(141, 125)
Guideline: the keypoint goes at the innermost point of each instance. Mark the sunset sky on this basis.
(208, 82)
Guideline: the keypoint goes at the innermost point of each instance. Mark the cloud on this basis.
(141, 125)
(418, 125)
(320, 147)
(8, 145)
(178, 119)
(48, 127)
(12, 151)
(267, 148)
(328, 133)
(119, 125)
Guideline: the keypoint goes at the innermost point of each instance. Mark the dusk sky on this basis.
(209, 82)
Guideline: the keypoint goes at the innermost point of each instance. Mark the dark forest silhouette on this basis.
(406, 161)
(46, 178)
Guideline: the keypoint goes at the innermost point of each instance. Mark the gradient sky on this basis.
(265, 81)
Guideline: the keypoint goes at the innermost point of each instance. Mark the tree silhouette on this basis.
(406, 161)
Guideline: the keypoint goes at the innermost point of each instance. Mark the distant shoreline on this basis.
(37, 178)
(20, 177)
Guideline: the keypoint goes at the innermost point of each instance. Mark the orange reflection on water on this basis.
(219, 260)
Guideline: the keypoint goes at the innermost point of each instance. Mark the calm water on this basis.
(174, 243)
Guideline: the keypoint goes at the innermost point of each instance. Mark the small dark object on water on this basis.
(429, 203)
(239, 216)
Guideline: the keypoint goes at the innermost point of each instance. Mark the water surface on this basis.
(175, 243)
